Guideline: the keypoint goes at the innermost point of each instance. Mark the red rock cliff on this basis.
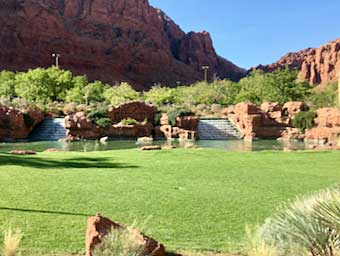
(316, 65)
(109, 40)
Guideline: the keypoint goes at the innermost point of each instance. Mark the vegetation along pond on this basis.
(92, 145)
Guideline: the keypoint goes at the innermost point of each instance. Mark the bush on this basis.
(174, 113)
(304, 120)
(310, 225)
(28, 120)
(121, 242)
(11, 242)
(121, 94)
(323, 98)
(97, 113)
(104, 122)
(129, 121)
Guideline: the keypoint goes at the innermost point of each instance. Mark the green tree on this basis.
(43, 85)
(7, 84)
(120, 94)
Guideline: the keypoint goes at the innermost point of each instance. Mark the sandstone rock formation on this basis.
(327, 126)
(270, 120)
(80, 127)
(109, 40)
(98, 227)
(315, 65)
(18, 124)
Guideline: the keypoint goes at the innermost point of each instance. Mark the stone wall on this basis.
(18, 124)
(270, 120)
(327, 126)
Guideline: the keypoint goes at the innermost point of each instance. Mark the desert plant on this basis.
(304, 120)
(256, 245)
(309, 225)
(129, 121)
(12, 241)
(121, 242)
(104, 122)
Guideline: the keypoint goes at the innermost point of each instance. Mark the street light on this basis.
(56, 56)
(205, 69)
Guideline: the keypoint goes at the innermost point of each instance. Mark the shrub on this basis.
(256, 245)
(309, 225)
(121, 242)
(28, 120)
(304, 120)
(104, 122)
(97, 113)
(129, 121)
(121, 94)
(174, 113)
(11, 242)
(323, 98)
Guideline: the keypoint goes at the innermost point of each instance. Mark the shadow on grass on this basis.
(45, 212)
(49, 163)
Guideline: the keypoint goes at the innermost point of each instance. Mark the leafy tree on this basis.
(120, 94)
(7, 84)
(43, 85)
(160, 95)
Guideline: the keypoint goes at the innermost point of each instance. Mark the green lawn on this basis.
(195, 199)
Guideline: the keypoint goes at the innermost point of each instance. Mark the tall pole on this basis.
(205, 69)
(56, 56)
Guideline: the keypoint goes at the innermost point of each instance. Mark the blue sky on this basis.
(251, 32)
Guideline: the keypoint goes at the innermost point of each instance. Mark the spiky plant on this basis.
(12, 240)
(256, 245)
(121, 242)
(310, 224)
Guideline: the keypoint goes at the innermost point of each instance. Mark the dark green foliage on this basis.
(174, 113)
(129, 121)
(157, 119)
(104, 122)
(97, 113)
(304, 120)
(28, 120)
(323, 98)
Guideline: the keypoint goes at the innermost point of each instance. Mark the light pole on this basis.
(205, 69)
(56, 56)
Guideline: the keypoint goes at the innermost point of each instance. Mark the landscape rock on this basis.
(327, 126)
(23, 152)
(111, 41)
(17, 124)
(149, 148)
(140, 111)
(270, 120)
(98, 227)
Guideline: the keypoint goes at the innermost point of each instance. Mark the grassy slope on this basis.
(197, 199)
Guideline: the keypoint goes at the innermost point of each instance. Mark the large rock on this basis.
(18, 124)
(98, 227)
(315, 65)
(137, 110)
(270, 120)
(327, 126)
(109, 40)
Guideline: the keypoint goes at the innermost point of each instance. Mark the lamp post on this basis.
(56, 56)
(205, 69)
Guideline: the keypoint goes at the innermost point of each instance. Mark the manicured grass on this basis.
(195, 199)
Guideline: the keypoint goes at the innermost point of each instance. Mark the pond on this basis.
(92, 145)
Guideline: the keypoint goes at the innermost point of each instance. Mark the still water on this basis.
(87, 146)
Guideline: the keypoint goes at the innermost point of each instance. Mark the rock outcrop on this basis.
(80, 127)
(315, 65)
(270, 120)
(18, 124)
(108, 40)
(327, 126)
(98, 227)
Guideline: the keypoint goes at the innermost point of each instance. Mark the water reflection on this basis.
(88, 146)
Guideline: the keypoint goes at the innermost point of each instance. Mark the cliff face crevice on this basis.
(315, 65)
(109, 40)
